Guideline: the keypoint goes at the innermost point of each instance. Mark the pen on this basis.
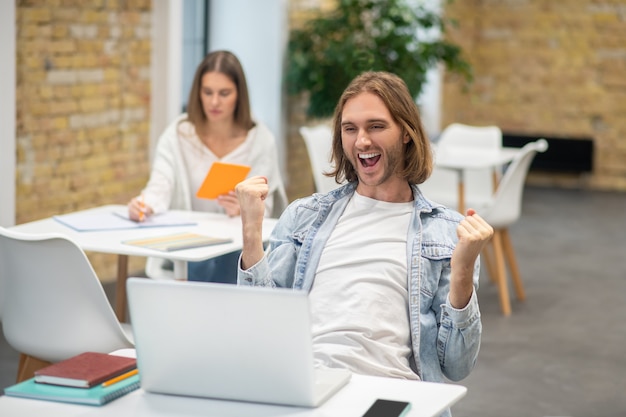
(143, 207)
(120, 377)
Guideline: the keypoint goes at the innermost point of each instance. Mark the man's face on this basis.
(372, 141)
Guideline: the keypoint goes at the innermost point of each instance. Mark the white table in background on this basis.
(110, 241)
(427, 399)
(475, 159)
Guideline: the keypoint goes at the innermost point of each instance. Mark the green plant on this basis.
(361, 35)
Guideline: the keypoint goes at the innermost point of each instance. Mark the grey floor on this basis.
(562, 352)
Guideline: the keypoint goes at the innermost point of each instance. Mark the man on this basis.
(391, 275)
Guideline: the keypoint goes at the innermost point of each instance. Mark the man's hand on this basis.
(251, 194)
(473, 233)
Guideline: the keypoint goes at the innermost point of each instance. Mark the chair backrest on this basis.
(318, 141)
(54, 306)
(464, 140)
(506, 205)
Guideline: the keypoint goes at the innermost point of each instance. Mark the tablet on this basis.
(222, 178)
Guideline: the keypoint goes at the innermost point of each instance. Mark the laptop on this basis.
(227, 342)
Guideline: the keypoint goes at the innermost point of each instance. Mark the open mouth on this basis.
(369, 159)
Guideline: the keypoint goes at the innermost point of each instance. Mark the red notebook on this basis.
(85, 370)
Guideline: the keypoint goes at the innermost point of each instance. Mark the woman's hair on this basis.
(226, 63)
(392, 90)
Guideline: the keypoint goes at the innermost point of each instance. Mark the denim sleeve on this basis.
(256, 275)
(459, 338)
(275, 269)
(457, 335)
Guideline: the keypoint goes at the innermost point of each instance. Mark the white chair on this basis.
(466, 138)
(318, 141)
(465, 141)
(504, 209)
(53, 306)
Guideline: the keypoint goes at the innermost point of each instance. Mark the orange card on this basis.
(221, 179)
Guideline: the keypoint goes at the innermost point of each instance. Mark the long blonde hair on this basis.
(418, 160)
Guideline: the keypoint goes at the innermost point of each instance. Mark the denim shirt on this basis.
(445, 340)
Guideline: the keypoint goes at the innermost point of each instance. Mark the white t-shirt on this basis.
(359, 299)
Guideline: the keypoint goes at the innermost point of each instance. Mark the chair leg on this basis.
(120, 287)
(505, 302)
(28, 365)
(513, 267)
(488, 262)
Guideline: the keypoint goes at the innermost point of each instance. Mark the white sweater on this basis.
(169, 185)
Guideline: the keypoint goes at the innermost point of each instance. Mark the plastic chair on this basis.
(504, 209)
(53, 306)
(464, 140)
(318, 141)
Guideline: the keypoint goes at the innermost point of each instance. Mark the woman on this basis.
(218, 126)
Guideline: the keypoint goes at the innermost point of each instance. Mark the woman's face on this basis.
(218, 94)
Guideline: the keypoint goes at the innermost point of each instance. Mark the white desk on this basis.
(427, 399)
(461, 161)
(212, 224)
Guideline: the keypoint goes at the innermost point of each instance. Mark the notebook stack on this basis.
(89, 378)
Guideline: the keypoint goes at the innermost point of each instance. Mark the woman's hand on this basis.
(138, 210)
(230, 203)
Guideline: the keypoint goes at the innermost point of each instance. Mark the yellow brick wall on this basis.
(83, 107)
(543, 67)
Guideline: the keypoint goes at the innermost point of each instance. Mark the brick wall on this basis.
(551, 68)
(83, 101)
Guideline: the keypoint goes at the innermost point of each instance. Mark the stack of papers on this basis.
(114, 220)
(177, 241)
